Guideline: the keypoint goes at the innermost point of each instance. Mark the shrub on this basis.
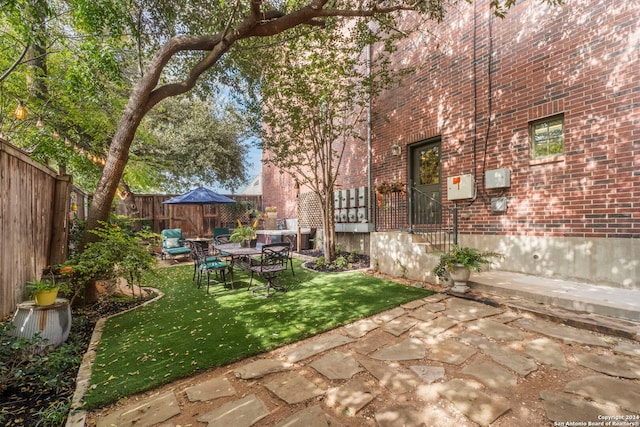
(16, 357)
(120, 251)
(320, 262)
(341, 262)
(55, 415)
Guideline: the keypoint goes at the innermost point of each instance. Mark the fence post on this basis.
(58, 249)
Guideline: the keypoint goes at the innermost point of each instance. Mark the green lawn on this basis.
(188, 331)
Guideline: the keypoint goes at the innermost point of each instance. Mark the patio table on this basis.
(240, 256)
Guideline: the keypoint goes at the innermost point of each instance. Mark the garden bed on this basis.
(345, 261)
(42, 393)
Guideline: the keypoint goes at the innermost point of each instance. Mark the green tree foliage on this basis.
(70, 80)
(315, 106)
(191, 143)
(93, 51)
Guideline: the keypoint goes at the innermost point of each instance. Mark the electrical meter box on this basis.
(497, 178)
(344, 199)
(363, 196)
(498, 204)
(336, 199)
(460, 187)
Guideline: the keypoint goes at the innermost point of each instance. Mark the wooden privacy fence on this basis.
(194, 220)
(34, 218)
(37, 206)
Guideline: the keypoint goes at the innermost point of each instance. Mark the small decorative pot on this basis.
(44, 298)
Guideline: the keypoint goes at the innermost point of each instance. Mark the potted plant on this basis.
(271, 212)
(457, 264)
(243, 234)
(43, 291)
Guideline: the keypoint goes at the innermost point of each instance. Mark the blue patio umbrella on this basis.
(200, 196)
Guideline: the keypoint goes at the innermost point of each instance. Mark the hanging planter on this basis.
(391, 187)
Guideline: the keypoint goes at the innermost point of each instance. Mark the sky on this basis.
(254, 167)
(254, 160)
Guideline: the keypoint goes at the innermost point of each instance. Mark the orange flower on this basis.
(66, 270)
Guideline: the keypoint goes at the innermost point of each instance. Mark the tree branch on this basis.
(15, 64)
(255, 9)
(309, 16)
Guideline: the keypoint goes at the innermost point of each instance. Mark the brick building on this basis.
(531, 124)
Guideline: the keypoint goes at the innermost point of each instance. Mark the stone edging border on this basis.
(77, 415)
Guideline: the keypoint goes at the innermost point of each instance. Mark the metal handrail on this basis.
(396, 211)
(437, 229)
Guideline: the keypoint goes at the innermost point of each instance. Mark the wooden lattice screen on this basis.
(309, 210)
(229, 217)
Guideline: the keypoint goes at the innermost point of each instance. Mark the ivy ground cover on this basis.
(187, 331)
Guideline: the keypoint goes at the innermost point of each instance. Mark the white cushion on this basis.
(173, 242)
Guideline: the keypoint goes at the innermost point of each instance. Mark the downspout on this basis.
(369, 158)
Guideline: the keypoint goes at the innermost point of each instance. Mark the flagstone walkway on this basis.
(438, 361)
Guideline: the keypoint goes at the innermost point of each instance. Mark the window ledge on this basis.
(545, 160)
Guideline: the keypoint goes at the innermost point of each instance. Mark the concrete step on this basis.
(430, 248)
(431, 242)
(575, 296)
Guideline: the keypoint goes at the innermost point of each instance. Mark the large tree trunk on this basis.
(113, 170)
(37, 56)
(328, 222)
(144, 97)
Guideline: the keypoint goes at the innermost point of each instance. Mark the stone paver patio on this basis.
(439, 361)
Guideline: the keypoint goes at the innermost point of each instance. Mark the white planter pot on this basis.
(459, 276)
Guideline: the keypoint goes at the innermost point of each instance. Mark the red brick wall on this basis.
(279, 187)
(581, 60)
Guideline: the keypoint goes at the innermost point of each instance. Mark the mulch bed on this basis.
(359, 262)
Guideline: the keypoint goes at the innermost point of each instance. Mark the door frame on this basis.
(412, 150)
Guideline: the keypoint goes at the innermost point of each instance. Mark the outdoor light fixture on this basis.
(40, 123)
(396, 150)
(20, 112)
